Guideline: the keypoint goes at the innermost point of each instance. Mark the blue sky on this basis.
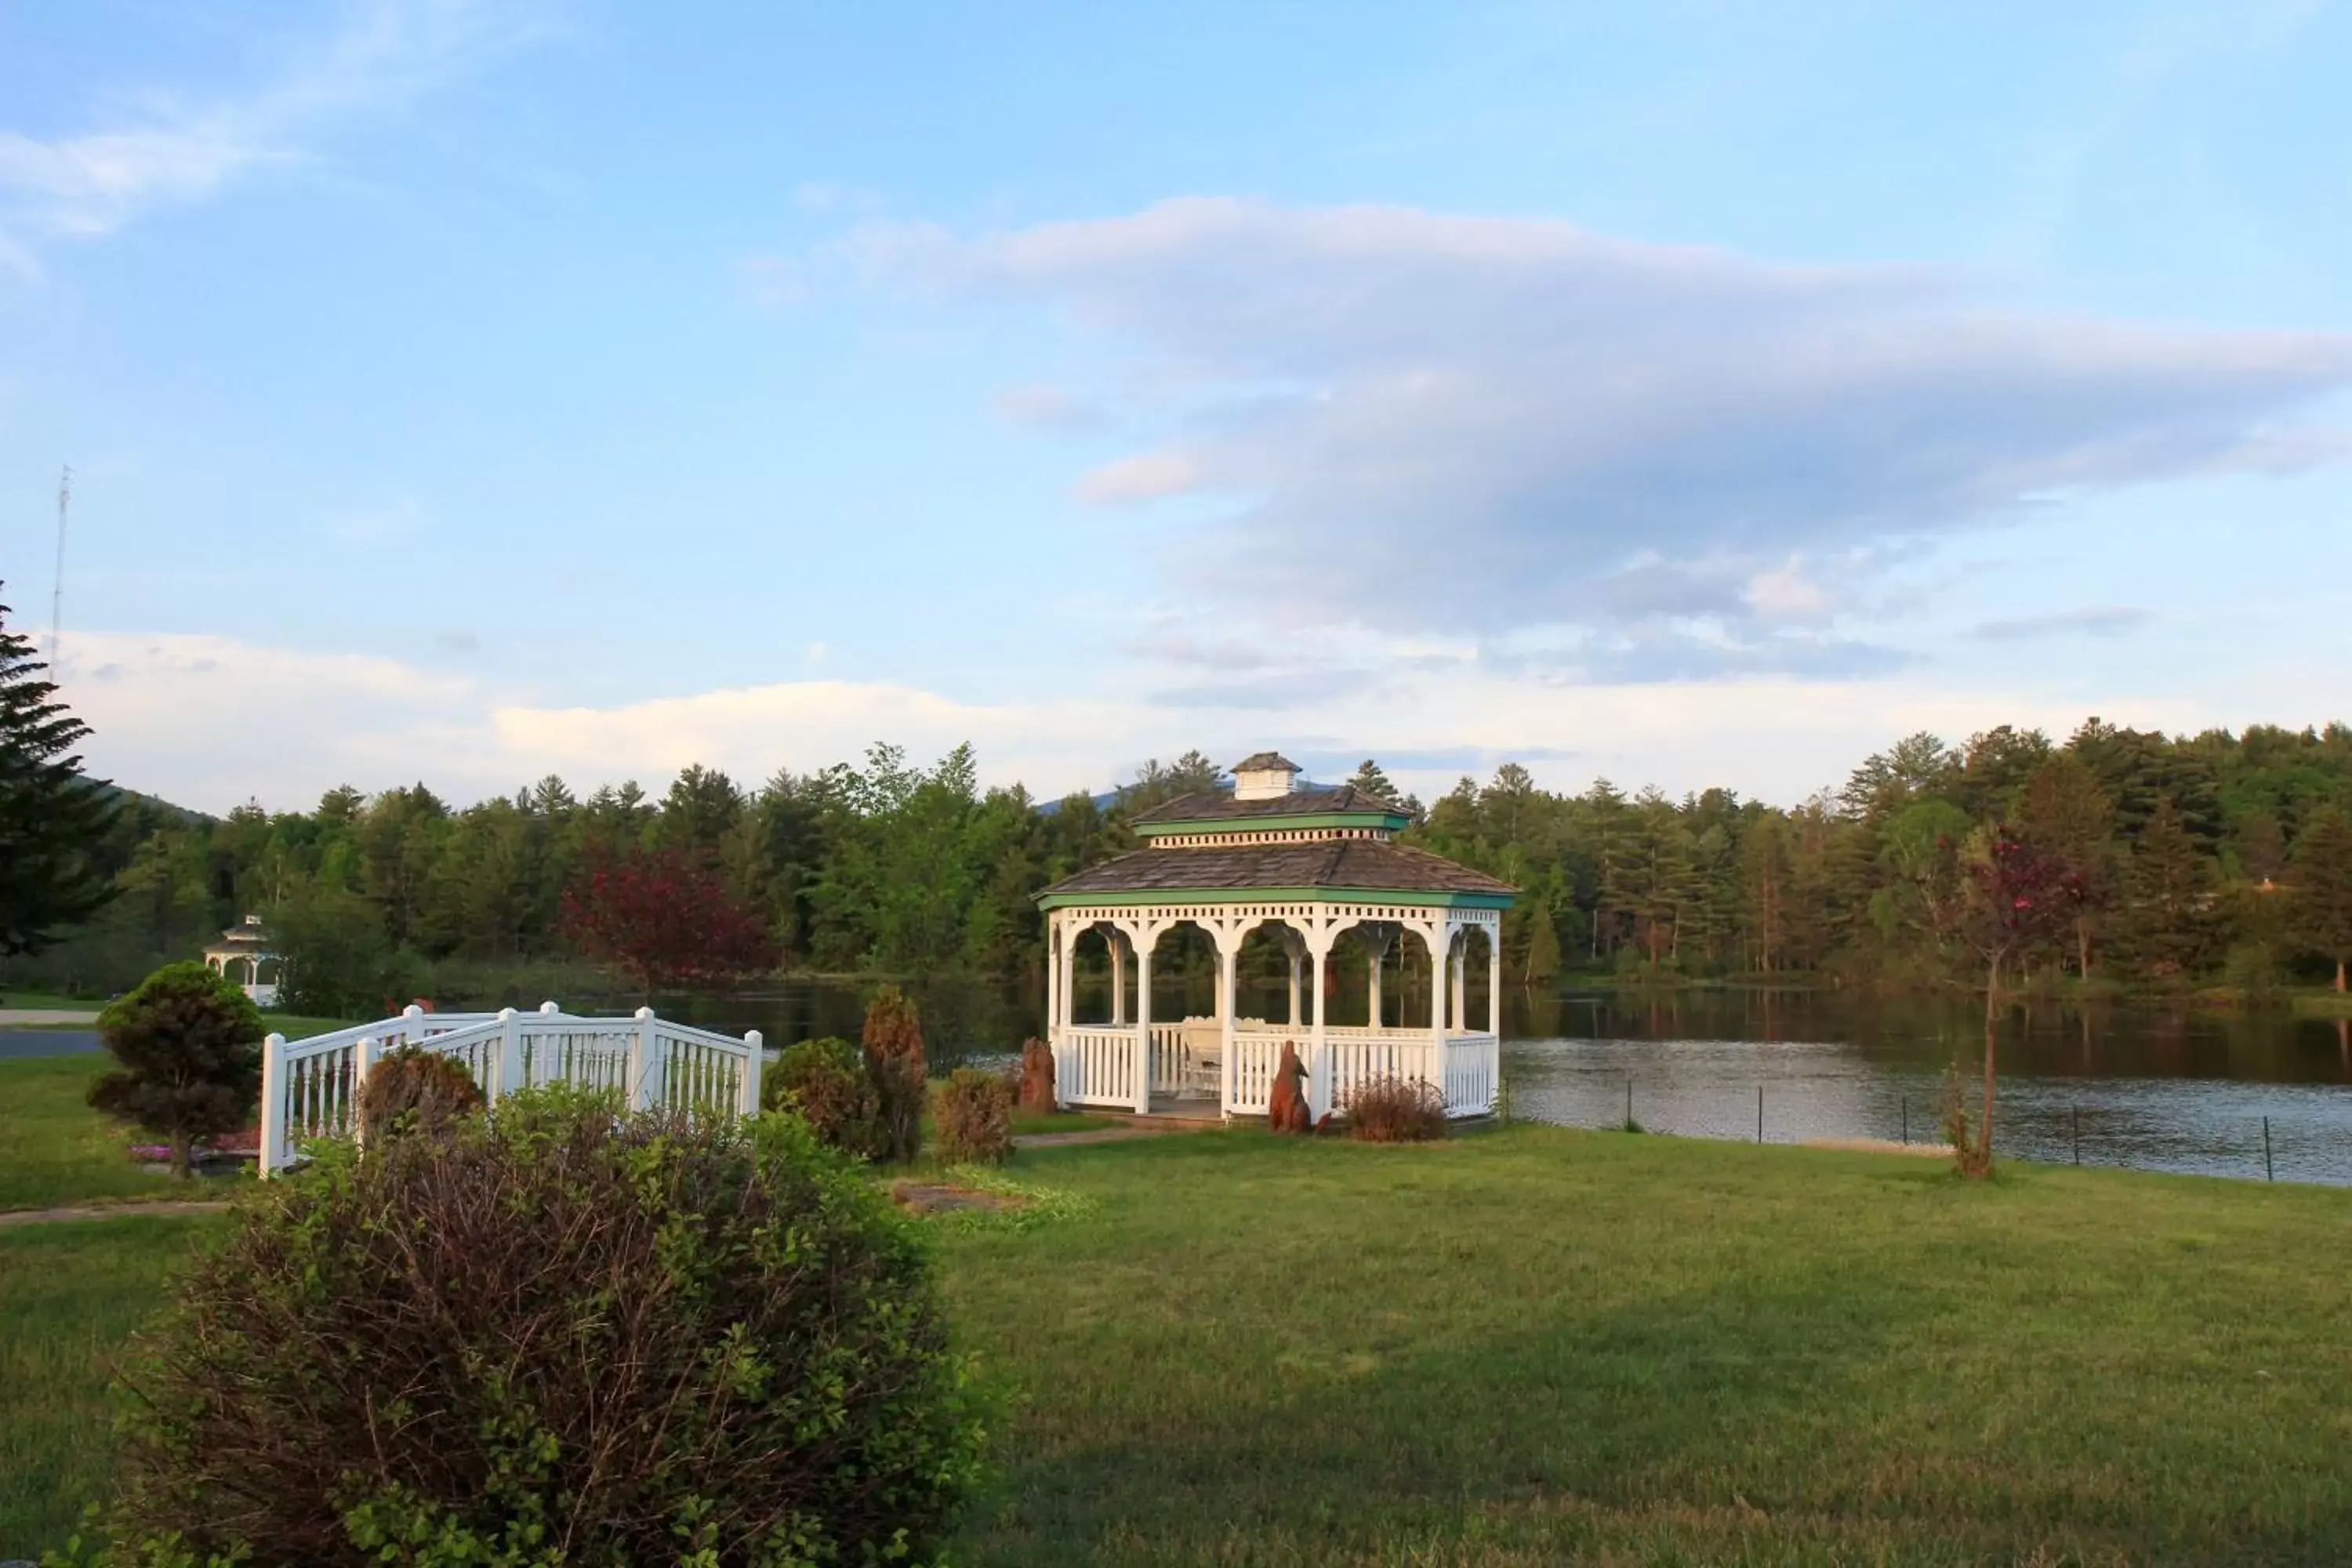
(1688, 394)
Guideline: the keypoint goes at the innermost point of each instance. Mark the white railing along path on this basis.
(310, 1088)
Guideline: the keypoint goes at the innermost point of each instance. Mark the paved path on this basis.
(47, 1042)
(1095, 1135)
(111, 1211)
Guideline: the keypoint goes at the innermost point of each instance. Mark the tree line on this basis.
(2212, 858)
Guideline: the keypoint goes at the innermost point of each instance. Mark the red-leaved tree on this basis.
(2014, 896)
(665, 922)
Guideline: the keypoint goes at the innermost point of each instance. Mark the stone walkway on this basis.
(30, 1015)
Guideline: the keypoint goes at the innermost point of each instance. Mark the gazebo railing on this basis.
(1094, 1064)
(310, 1088)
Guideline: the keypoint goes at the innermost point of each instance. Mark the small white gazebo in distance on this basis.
(1313, 866)
(242, 954)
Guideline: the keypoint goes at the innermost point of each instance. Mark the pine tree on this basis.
(2321, 912)
(2169, 915)
(52, 816)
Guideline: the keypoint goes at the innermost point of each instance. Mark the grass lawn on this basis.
(53, 1149)
(69, 1295)
(1537, 1345)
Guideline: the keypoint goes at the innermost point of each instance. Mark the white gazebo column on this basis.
(1295, 945)
(1116, 942)
(1495, 980)
(1318, 1056)
(1228, 937)
(1054, 978)
(1435, 936)
(1457, 949)
(1146, 936)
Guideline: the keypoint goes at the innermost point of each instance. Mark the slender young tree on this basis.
(52, 816)
(2011, 896)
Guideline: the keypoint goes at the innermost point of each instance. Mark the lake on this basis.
(2148, 1087)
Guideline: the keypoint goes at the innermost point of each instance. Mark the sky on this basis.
(1687, 394)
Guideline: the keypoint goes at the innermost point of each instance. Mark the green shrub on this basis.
(893, 1043)
(974, 1111)
(413, 1090)
(825, 1081)
(1394, 1109)
(557, 1337)
(187, 1048)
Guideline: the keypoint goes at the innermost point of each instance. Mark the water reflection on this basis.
(2150, 1088)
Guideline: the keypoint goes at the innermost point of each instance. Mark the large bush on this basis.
(557, 1337)
(187, 1052)
(1389, 1109)
(893, 1043)
(413, 1090)
(974, 1111)
(825, 1081)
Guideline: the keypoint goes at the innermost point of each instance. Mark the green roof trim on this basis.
(1280, 896)
(1390, 819)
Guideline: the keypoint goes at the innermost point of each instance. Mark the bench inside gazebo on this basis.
(1316, 866)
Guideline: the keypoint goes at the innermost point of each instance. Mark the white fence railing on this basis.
(310, 1088)
(1094, 1064)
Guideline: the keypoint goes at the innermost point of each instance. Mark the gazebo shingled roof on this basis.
(1366, 864)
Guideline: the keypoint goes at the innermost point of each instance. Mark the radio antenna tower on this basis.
(58, 591)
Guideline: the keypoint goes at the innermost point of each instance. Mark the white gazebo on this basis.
(242, 954)
(1313, 866)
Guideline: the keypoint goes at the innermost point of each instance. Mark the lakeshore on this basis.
(1530, 1343)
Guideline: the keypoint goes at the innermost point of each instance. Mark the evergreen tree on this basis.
(51, 816)
(2063, 809)
(2321, 911)
(2168, 913)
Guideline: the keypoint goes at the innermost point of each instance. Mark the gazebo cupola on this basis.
(1315, 865)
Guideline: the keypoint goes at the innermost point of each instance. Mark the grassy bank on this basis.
(54, 1148)
(1537, 1344)
(69, 1296)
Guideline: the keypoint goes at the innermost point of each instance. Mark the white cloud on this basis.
(209, 722)
(1422, 421)
(386, 54)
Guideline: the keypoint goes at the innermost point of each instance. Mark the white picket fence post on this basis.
(364, 1060)
(752, 1064)
(273, 1103)
(411, 1023)
(644, 1060)
(510, 1069)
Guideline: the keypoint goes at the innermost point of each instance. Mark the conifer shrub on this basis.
(1394, 1109)
(557, 1336)
(893, 1043)
(824, 1081)
(411, 1089)
(974, 1111)
(187, 1051)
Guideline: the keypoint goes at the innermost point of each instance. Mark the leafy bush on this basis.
(559, 1337)
(1392, 1110)
(825, 1081)
(893, 1043)
(188, 1047)
(974, 1109)
(413, 1090)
